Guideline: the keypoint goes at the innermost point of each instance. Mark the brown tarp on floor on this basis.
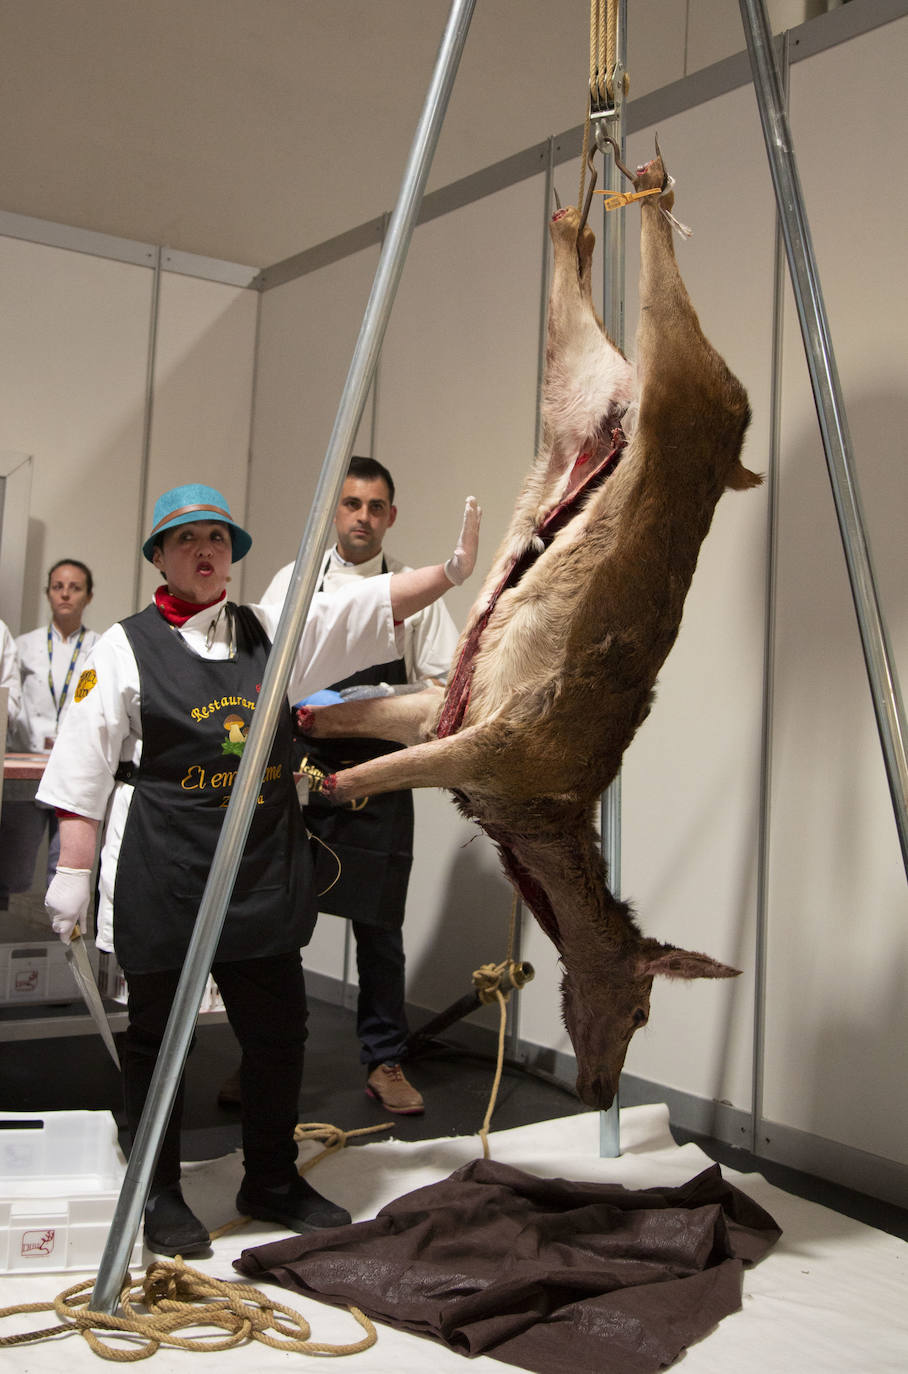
(552, 1276)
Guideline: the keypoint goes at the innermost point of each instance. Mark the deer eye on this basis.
(640, 1018)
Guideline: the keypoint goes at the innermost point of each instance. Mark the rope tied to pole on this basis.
(490, 980)
(487, 980)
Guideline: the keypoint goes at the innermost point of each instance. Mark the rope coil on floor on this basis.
(171, 1292)
(176, 1297)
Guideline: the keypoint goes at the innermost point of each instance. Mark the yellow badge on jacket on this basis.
(86, 681)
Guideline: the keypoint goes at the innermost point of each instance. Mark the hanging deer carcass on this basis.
(556, 665)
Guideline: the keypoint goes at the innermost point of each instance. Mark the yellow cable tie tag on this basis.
(616, 200)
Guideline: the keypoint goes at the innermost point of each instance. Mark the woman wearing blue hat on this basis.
(152, 741)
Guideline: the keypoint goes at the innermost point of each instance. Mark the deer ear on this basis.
(669, 962)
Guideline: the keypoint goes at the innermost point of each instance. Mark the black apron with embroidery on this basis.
(195, 715)
(372, 837)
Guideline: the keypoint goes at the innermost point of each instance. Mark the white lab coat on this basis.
(344, 632)
(430, 636)
(39, 708)
(9, 678)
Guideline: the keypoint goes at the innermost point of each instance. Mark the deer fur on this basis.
(556, 665)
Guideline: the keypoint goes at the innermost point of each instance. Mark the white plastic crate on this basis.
(60, 1178)
(37, 971)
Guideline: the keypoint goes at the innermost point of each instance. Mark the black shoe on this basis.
(170, 1227)
(295, 1205)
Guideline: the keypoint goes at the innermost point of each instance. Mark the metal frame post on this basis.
(147, 417)
(613, 284)
(237, 819)
(824, 380)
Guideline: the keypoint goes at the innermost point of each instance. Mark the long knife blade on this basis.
(77, 957)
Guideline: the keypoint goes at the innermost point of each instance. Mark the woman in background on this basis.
(50, 661)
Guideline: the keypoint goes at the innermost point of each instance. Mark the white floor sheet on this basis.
(831, 1296)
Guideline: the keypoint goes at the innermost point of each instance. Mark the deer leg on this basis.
(588, 382)
(588, 385)
(689, 400)
(450, 762)
(669, 341)
(405, 719)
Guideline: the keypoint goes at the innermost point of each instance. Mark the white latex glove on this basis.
(463, 559)
(67, 900)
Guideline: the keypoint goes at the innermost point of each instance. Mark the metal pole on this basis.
(761, 928)
(613, 319)
(881, 671)
(237, 819)
(147, 417)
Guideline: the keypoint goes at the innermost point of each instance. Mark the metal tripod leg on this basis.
(273, 696)
(827, 393)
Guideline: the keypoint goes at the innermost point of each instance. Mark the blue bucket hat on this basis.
(182, 505)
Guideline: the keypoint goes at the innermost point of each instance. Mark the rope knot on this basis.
(487, 981)
(332, 1137)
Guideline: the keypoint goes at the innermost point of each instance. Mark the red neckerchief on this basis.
(176, 611)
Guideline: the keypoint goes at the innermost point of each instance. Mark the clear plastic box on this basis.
(60, 1178)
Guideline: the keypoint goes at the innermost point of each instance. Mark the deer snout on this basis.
(596, 1090)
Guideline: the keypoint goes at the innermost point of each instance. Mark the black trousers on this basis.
(265, 1001)
(381, 1018)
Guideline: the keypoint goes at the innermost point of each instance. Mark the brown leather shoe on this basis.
(387, 1084)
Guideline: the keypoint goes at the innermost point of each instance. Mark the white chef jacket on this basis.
(9, 677)
(40, 710)
(430, 636)
(344, 632)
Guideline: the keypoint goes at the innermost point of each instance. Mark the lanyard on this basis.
(69, 671)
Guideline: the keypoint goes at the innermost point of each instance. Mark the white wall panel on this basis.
(691, 777)
(457, 416)
(308, 333)
(202, 395)
(837, 1018)
(73, 342)
(656, 44)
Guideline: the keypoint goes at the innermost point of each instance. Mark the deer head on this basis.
(605, 996)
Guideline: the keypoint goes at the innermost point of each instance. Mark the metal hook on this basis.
(603, 141)
(589, 195)
(601, 138)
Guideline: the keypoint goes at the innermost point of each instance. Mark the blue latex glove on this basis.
(326, 697)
